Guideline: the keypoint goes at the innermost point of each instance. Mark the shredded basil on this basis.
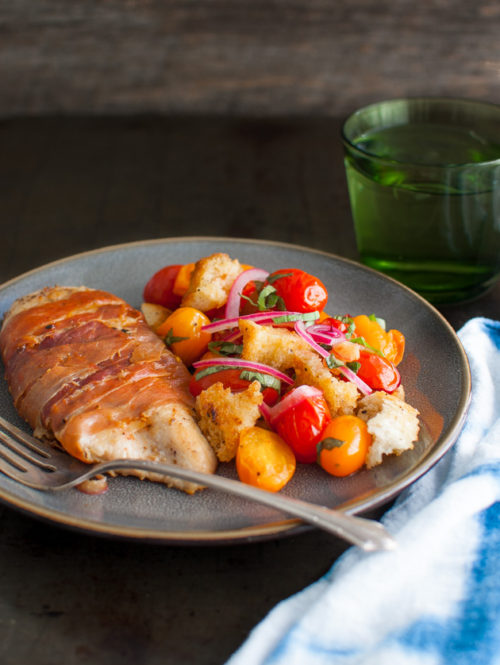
(332, 362)
(329, 443)
(272, 278)
(296, 316)
(225, 348)
(265, 380)
(211, 369)
(269, 298)
(354, 366)
(170, 338)
(362, 342)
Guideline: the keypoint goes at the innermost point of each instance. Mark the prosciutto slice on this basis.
(86, 372)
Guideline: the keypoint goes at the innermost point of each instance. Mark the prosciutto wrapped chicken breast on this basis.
(85, 371)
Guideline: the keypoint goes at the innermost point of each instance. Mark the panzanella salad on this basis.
(278, 378)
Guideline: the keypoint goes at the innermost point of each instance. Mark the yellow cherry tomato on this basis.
(183, 334)
(390, 343)
(264, 460)
(344, 445)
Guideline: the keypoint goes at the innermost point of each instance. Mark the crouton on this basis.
(283, 349)
(341, 396)
(224, 414)
(276, 347)
(211, 282)
(392, 423)
(155, 315)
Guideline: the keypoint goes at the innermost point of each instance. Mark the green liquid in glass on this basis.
(436, 230)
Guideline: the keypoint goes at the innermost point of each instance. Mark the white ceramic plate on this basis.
(435, 374)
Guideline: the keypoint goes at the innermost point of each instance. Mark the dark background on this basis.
(125, 120)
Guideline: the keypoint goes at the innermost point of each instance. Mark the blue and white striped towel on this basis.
(435, 600)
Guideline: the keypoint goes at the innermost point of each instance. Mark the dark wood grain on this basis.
(240, 57)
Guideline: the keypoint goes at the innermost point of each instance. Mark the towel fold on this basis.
(435, 600)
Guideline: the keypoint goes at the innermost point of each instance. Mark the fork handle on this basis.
(367, 534)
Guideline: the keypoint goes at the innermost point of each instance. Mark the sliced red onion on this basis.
(291, 399)
(354, 378)
(327, 329)
(258, 317)
(234, 298)
(348, 373)
(300, 329)
(244, 364)
(232, 336)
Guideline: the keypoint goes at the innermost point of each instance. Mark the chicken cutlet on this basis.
(87, 373)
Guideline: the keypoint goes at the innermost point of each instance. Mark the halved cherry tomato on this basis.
(344, 445)
(377, 372)
(159, 289)
(230, 378)
(264, 460)
(183, 334)
(183, 278)
(300, 291)
(302, 424)
(390, 343)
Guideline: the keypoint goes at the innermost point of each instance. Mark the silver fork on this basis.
(42, 467)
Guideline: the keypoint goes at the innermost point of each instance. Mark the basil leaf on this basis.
(273, 278)
(265, 380)
(354, 366)
(297, 316)
(225, 348)
(362, 342)
(170, 338)
(211, 369)
(329, 443)
(266, 294)
(332, 362)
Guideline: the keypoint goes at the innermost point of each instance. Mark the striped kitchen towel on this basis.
(435, 600)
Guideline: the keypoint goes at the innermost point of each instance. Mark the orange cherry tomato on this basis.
(390, 343)
(159, 289)
(300, 291)
(183, 334)
(344, 445)
(182, 279)
(264, 460)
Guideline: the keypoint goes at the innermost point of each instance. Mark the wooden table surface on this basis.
(70, 185)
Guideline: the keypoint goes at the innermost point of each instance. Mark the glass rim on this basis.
(428, 99)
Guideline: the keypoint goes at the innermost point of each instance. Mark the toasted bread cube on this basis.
(211, 282)
(283, 349)
(224, 414)
(277, 347)
(392, 423)
(155, 315)
(341, 396)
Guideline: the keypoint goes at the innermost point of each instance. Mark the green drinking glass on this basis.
(424, 186)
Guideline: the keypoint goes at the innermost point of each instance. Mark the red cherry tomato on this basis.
(339, 324)
(230, 378)
(301, 426)
(377, 372)
(300, 291)
(159, 289)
